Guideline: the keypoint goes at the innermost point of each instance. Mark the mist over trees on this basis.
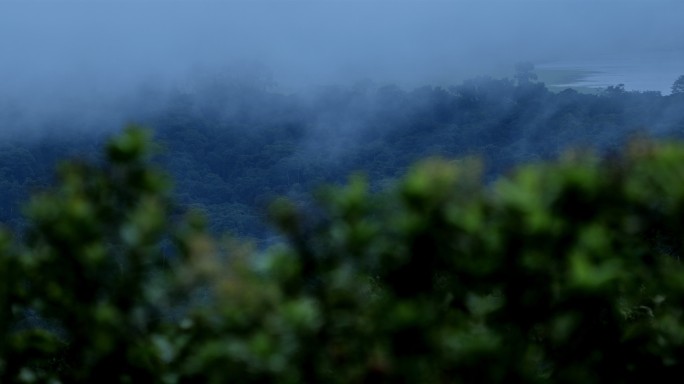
(341, 192)
(233, 141)
(678, 86)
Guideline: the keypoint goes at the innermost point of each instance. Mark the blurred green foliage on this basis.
(560, 272)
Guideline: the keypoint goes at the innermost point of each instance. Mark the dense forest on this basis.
(506, 256)
(234, 143)
(341, 192)
(566, 271)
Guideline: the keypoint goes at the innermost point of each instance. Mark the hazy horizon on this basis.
(55, 55)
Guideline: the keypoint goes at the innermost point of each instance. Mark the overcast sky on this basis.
(99, 47)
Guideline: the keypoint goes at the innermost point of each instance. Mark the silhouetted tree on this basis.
(678, 86)
(524, 73)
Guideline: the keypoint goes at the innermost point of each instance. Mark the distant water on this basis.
(651, 71)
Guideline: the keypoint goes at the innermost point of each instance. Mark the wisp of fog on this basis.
(82, 61)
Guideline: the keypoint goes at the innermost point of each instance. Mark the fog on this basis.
(80, 59)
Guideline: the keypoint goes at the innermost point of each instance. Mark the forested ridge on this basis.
(233, 144)
(505, 257)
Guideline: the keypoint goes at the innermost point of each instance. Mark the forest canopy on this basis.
(560, 271)
(233, 143)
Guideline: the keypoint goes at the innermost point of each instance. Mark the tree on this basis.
(678, 86)
(564, 272)
(615, 90)
(524, 73)
(86, 302)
